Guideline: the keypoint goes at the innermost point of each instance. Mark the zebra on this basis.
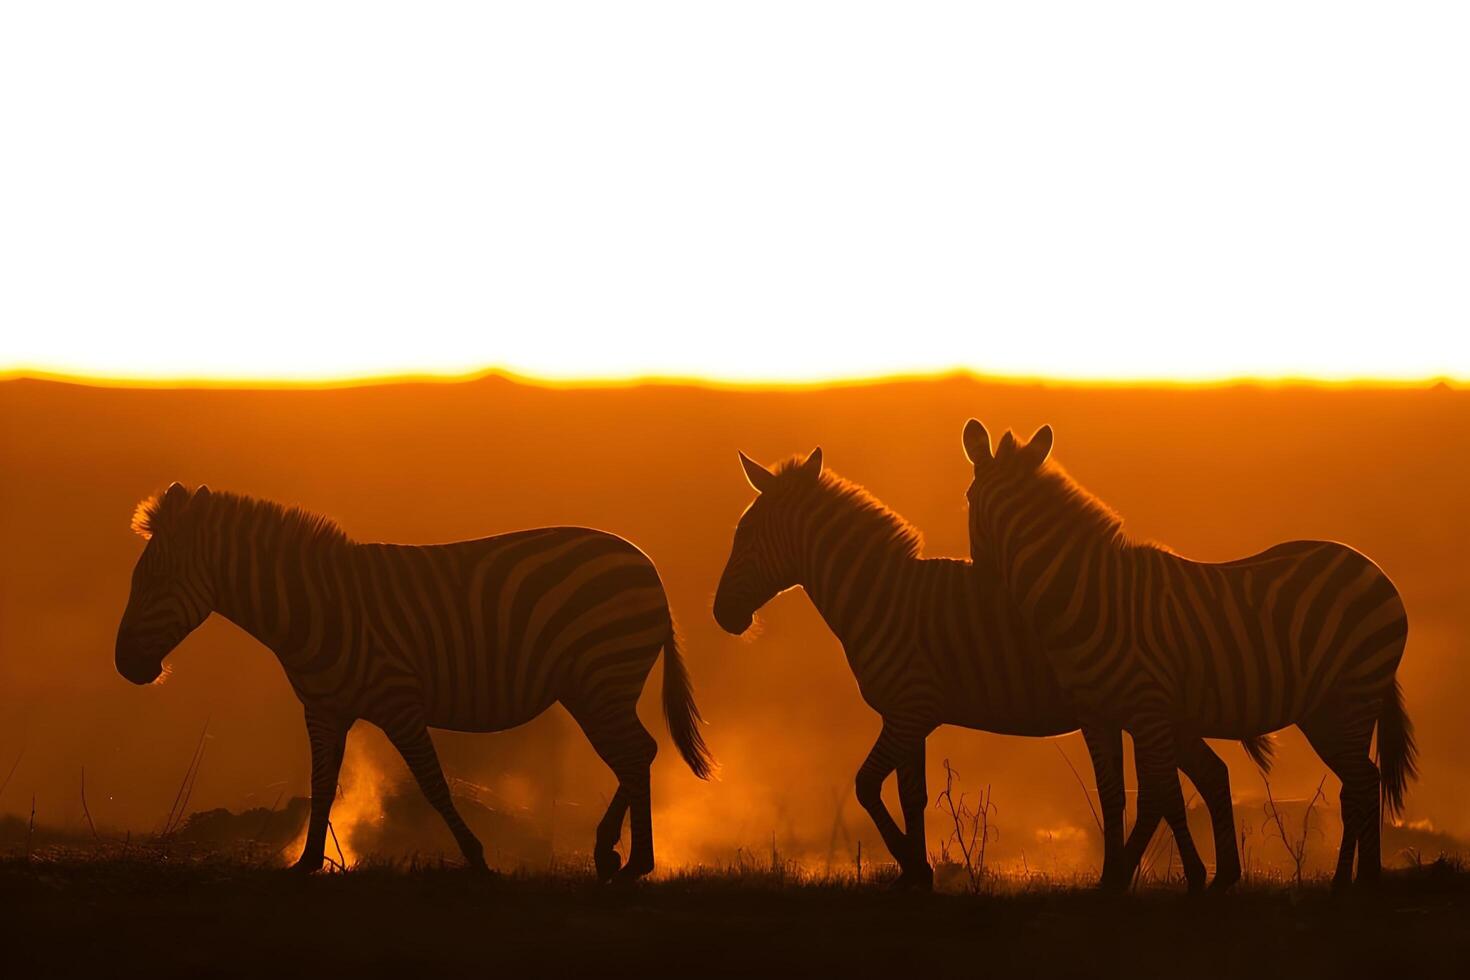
(931, 641)
(1307, 633)
(474, 636)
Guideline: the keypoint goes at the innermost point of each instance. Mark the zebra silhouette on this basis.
(1307, 633)
(931, 641)
(471, 636)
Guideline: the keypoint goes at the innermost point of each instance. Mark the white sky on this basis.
(740, 190)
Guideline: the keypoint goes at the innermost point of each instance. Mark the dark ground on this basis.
(69, 917)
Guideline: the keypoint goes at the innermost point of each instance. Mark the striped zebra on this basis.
(472, 636)
(1307, 633)
(931, 641)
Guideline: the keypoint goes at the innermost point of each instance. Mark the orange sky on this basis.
(1212, 472)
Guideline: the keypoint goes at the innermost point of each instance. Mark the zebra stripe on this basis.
(1307, 633)
(931, 641)
(470, 636)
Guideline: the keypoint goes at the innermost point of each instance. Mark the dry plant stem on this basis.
(193, 781)
(342, 858)
(13, 766)
(1296, 849)
(985, 808)
(1086, 793)
(31, 828)
(186, 785)
(85, 812)
(971, 827)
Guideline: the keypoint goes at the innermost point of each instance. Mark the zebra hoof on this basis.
(914, 880)
(474, 860)
(607, 863)
(1224, 881)
(303, 866)
(630, 873)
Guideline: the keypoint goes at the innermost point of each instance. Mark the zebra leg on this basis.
(1343, 745)
(1370, 858)
(886, 755)
(1189, 859)
(913, 796)
(1211, 777)
(411, 738)
(328, 740)
(605, 857)
(1105, 746)
(1145, 823)
(1156, 755)
(622, 742)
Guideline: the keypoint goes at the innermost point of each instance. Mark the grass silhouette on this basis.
(72, 911)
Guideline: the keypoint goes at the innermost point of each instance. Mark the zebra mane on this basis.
(182, 508)
(152, 515)
(866, 514)
(1059, 492)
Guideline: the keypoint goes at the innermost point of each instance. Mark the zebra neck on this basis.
(1067, 587)
(290, 594)
(849, 580)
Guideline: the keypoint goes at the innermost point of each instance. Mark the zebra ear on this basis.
(812, 465)
(1038, 447)
(760, 478)
(194, 504)
(977, 442)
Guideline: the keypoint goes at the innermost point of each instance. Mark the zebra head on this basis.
(1000, 490)
(171, 592)
(763, 558)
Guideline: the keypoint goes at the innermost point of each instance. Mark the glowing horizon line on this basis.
(246, 382)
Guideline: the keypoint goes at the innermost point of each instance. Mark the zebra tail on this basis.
(1261, 749)
(1398, 756)
(680, 711)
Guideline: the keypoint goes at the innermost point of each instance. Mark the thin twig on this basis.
(333, 831)
(1296, 849)
(971, 827)
(1086, 794)
(31, 828)
(193, 781)
(85, 812)
(168, 821)
(13, 766)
